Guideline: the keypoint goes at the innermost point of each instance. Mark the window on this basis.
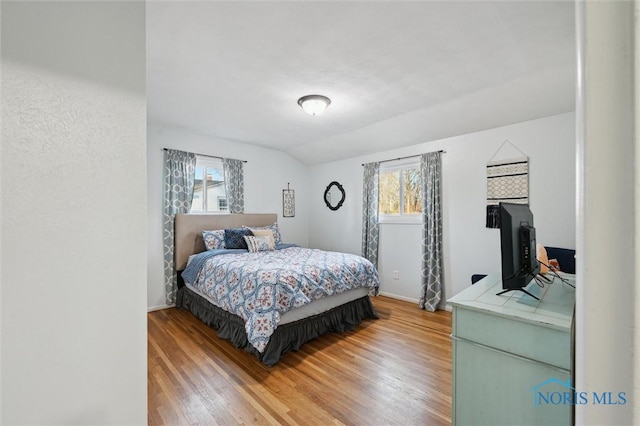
(400, 192)
(209, 195)
(222, 203)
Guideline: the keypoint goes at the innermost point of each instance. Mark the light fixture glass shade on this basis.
(314, 104)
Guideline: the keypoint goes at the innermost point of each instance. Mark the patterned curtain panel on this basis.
(179, 177)
(507, 181)
(431, 170)
(370, 213)
(234, 184)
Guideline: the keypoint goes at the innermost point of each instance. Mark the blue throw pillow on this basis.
(234, 238)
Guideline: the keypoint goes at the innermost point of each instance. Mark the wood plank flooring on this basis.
(394, 370)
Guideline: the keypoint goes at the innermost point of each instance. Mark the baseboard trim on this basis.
(159, 307)
(395, 296)
(447, 307)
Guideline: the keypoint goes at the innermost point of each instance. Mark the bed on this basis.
(268, 302)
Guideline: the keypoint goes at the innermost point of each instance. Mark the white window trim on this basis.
(392, 166)
(209, 161)
(405, 163)
(405, 219)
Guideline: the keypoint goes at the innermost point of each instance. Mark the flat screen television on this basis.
(517, 247)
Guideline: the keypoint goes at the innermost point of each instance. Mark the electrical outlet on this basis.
(396, 275)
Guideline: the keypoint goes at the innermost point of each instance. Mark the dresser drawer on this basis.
(543, 344)
(492, 387)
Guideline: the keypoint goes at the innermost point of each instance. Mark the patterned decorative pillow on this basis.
(234, 238)
(265, 243)
(273, 228)
(213, 239)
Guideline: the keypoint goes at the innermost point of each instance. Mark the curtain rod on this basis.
(206, 155)
(408, 156)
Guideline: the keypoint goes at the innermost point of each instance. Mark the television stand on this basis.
(517, 289)
(521, 344)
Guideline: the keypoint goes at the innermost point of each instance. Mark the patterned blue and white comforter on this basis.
(260, 287)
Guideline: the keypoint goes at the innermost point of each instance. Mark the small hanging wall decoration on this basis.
(507, 181)
(288, 202)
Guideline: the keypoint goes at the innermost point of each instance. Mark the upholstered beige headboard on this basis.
(189, 227)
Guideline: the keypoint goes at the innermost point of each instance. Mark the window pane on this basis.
(197, 203)
(389, 193)
(208, 186)
(412, 191)
(215, 189)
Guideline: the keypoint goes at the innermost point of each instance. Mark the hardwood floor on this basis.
(394, 370)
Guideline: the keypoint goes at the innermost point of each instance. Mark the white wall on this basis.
(73, 224)
(607, 281)
(468, 246)
(266, 174)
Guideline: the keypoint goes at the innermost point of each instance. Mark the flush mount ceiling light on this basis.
(314, 104)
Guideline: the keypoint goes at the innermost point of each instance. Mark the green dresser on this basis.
(512, 354)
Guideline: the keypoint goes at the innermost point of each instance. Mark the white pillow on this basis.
(260, 243)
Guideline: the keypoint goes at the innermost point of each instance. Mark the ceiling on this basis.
(398, 73)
